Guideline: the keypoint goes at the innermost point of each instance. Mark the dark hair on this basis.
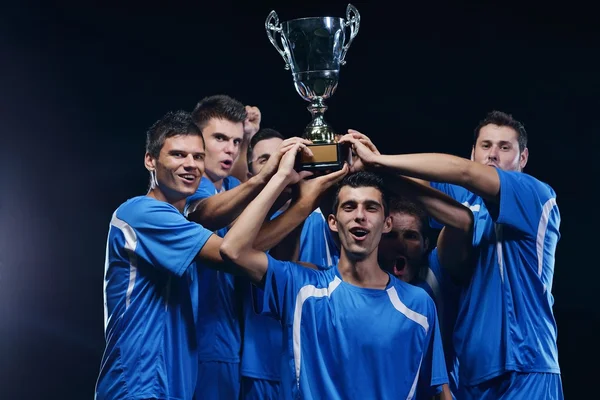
(362, 179)
(219, 106)
(263, 134)
(405, 206)
(173, 123)
(503, 119)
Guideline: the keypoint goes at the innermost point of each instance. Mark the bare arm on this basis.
(481, 179)
(238, 244)
(251, 126)
(445, 394)
(218, 211)
(455, 240)
(309, 195)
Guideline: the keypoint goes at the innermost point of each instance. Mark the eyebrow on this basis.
(366, 203)
(500, 142)
(196, 153)
(225, 135)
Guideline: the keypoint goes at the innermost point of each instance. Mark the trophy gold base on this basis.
(326, 157)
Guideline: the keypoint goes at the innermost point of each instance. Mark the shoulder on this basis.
(413, 297)
(141, 208)
(523, 181)
(230, 182)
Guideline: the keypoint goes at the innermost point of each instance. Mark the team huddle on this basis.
(409, 276)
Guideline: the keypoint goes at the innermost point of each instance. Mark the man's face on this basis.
(223, 139)
(359, 220)
(179, 166)
(498, 146)
(402, 250)
(262, 152)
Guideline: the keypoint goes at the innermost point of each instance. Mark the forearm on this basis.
(241, 236)
(275, 230)
(240, 166)
(438, 205)
(437, 167)
(218, 211)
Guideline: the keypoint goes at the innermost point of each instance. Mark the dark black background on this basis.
(81, 82)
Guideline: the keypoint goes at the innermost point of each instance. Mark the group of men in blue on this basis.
(408, 276)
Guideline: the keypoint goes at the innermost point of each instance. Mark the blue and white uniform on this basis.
(262, 349)
(343, 341)
(150, 303)
(505, 325)
(219, 313)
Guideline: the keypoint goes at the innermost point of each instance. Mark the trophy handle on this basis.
(352, 20)
(272, 25)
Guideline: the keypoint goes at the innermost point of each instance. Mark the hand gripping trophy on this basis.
(315, 48)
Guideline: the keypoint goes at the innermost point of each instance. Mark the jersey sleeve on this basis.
(282, 282)
(526, 204)
(161, 235)
(458, 193)
(433, 367)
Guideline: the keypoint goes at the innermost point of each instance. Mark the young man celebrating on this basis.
(507, 349)
(353, 331)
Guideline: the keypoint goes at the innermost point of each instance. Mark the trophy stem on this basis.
(318, 130)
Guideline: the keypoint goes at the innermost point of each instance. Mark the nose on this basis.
(493, 154)
(359, 214)
(230, 147)
(189, 161)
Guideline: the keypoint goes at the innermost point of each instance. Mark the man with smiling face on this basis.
(353, 331)
(150, 274)
(505, 332)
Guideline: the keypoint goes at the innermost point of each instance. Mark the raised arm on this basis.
(238, 245)
(455, 240)
(480, 179)
(218, 211)
(310, 192)
(251, 126)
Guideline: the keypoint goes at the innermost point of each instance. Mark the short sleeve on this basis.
(282, 281)
(158, 233)
(526, 204)
(458, 193)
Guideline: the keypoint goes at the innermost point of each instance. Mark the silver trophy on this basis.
(315, 48)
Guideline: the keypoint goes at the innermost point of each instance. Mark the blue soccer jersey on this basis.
(261, 356)
(317, 245)
(346, 342)
(150, 302)
(445, 293)
(505, 320)
(219, 311)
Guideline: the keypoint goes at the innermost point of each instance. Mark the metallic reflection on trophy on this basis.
(315, 48)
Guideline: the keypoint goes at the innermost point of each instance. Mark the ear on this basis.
(473, 153)
(387, 224)
(523, 158)
(426, 244)
(332, 222)
(149, 162)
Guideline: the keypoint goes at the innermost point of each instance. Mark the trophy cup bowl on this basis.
(314, 49)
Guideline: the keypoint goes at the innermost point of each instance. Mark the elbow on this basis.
(467, 220)
(229, 251)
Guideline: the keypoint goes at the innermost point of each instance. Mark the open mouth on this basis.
(359, 233)
(226, 164)
(400, 263)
